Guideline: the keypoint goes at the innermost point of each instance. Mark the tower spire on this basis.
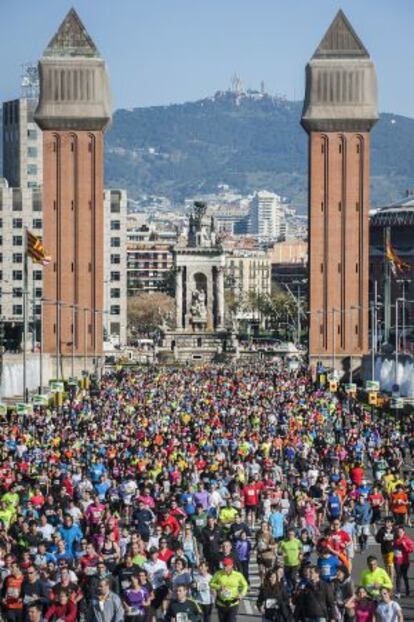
(72, 39)
(341, 41)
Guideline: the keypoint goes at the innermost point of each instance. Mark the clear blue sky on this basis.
(163, 51)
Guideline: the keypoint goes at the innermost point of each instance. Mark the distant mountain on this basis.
(250, 142)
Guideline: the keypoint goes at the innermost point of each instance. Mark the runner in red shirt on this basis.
(357, 474)
(251, 495)
(338, 539)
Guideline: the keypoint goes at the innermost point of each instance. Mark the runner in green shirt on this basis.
(291, 549)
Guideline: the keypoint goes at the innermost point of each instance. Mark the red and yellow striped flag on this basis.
(36, 250)
(397, 264)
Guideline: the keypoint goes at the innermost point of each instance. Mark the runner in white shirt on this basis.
(388, 610)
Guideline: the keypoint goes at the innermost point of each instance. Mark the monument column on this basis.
(339, 110)
(179, 297)
(220, 296)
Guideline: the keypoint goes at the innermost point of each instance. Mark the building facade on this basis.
(339, 111)
(150, 259)
(22, 144)
(393, 225)
(73, 111)
(149, 266)
(115, 266)
(266, 217)
(23, 207)
(19, 208)
(247, 271)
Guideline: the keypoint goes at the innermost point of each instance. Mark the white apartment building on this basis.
(19, 208)
(115, 266)
(248, 270)
(22, 207)
(266, 218)
(22, 144)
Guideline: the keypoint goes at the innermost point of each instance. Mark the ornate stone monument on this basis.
(199, 333)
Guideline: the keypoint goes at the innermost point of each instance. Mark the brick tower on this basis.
(339, 111)
(74, 108)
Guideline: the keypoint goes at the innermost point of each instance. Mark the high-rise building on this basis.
(115, 266)
(266, 215)
(19, 208)
(74, 109)
(22, 144)
(339, 111)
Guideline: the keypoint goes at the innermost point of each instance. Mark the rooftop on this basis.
(341, 41)
(400, 213)
(72, 40)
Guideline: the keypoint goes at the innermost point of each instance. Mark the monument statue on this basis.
(198, 306)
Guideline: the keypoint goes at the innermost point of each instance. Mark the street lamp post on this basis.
(73, 339)
(85, 311)
(351, 345)
(403, 283)
(320, 312)
(299, 328)
(372, 341)
(334, 339)
(396, 338)
(95, 312)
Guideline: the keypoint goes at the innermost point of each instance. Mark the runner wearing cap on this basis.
(230, 586)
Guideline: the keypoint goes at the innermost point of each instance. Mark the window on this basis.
(17, 257)
(32, 169)
(17, 240)
(17, 200)
(37, 223)
(17, 292)
(1, 240)
(17, 275)
(1, 257)
(32, 152)
(17, 309)
(37, 201)
(37, 275)
(38, 292)
(115, 292)
(17, 223)
(115, 328)
(115, 202)
(115, 310)
(115, 225)
(116, 259)
(115, 276)
(32, 134)
(115, 242)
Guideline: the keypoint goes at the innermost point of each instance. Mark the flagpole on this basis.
(25, 318)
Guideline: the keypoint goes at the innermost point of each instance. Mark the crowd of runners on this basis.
(151, 499)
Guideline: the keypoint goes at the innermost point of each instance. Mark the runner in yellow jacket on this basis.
(230, 587)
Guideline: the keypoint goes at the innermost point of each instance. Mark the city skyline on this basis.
(159, 54)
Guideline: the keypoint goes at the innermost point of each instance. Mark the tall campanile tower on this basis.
(74, 108)
(339, 111)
